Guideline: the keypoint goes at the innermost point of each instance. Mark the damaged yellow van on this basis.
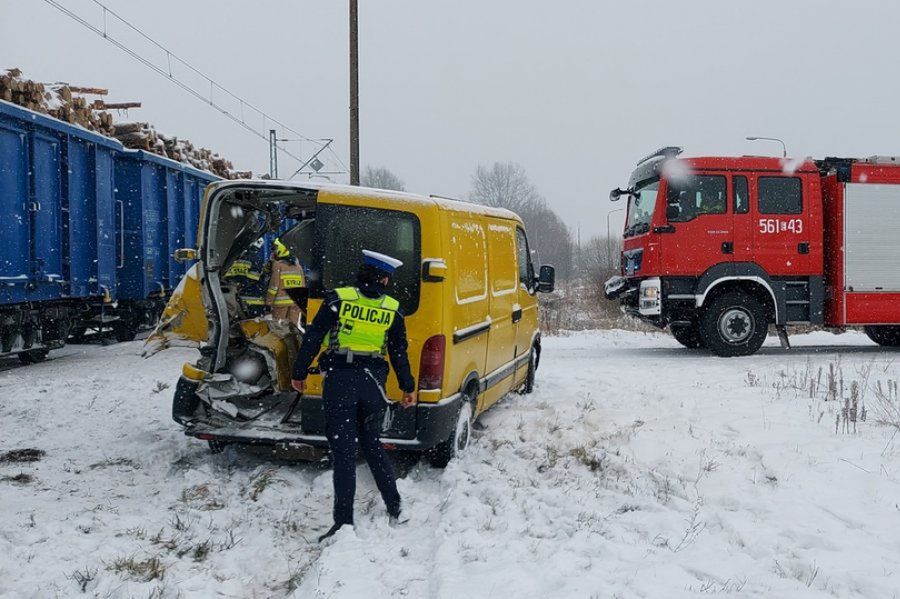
(467, 289)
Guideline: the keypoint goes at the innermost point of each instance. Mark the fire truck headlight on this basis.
(650, 299)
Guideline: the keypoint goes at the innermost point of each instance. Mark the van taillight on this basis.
(431, 366)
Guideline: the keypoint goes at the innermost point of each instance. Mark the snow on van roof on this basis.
(449, 204)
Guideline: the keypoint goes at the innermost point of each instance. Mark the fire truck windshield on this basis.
(640, 207)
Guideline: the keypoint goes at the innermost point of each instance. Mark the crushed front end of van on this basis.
(239, 390)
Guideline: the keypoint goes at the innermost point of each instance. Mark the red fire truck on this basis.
(719, 248)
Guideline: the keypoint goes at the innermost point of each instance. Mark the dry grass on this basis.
(20, 456)
(145, 570)
(22, 478)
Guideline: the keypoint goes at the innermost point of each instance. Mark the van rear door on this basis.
(342, 232)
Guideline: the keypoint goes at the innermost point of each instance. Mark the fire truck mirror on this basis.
(673, 211)
(617, 193)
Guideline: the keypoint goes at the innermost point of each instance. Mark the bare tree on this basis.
(382, 178)
(504, 185)
(598, 259)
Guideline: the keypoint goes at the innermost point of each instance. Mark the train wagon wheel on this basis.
(33, 356)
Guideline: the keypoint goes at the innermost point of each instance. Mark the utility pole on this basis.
(273, 155)
(354, 92)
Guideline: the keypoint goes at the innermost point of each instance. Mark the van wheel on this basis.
(886, 336)
(459, 438)
(216, 446)
(528, 385)
(733, 324)
(34, 356)
(688, 335)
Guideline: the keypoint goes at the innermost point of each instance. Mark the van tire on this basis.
(688, 335)
(528, 385)
(733, 323)
(885, 336)
(440, 455)
(216, 446)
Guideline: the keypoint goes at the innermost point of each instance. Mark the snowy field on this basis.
(636, 469)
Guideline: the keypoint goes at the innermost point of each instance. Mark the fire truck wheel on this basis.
(887, 336)
(733, 324)
(688, 335)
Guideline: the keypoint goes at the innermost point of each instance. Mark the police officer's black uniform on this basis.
(353, 396)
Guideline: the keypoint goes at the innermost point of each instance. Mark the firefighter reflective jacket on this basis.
(286, 274)
(362, 323)
(248, 274)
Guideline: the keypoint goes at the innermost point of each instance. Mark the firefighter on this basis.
(358, 328)
(248, 273)
(286, 279)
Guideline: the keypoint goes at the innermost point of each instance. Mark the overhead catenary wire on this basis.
(168, 74)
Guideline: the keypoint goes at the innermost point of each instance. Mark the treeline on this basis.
(580, 270)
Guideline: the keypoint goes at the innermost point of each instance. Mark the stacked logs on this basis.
(61, 101)
(142, 136)
(56, 100)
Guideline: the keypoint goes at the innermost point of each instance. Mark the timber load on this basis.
(69, 104)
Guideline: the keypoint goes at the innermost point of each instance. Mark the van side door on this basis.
(503, 277)
(469, 306)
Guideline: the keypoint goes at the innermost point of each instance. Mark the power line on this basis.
(167, 73)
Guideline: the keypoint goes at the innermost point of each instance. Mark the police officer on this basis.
(286, 278)
(247, 273)
(358, 327)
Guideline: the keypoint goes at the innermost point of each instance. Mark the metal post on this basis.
(273, 155)
(783, 147)
(609, 242)
(354, 92)
(608, 234)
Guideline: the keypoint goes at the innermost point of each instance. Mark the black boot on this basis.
(334, 528)
(396, 518)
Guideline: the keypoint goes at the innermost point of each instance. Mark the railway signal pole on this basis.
(273, 155)
(354, 92)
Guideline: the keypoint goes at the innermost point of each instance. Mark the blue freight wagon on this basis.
(158, 203)
(87, 231)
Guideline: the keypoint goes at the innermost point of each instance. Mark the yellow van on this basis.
(467, 289)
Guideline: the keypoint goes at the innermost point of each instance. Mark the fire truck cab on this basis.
(719, 248)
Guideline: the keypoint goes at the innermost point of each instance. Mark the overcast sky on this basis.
(574, 91)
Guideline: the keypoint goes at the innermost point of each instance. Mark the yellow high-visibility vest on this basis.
(362, 323)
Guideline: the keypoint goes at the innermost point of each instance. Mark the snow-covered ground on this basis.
(636, 469)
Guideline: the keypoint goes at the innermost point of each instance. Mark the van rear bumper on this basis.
(431, 424)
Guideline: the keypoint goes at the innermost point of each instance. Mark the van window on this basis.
(502, 252)
(780, 195)
(470, 252)
(343, 232)
(526, 269)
